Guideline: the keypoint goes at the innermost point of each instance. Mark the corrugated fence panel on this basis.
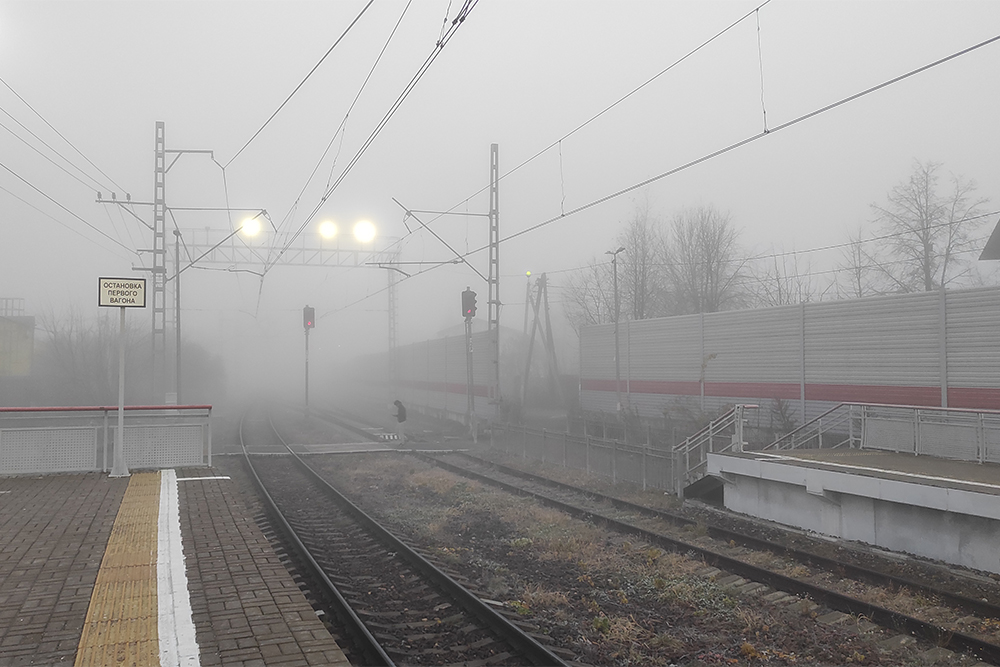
(884, 349)
(597, 344)
(755, 347)
(974, 348)
(661, 349)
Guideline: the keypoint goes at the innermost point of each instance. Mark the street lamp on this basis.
(618, 374)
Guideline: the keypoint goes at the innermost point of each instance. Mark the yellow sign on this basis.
(17, 342)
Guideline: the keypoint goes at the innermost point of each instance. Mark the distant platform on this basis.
(927, 506)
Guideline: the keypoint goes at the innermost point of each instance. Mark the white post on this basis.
(119, 468)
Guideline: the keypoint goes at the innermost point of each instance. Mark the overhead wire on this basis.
(456, 23)
(301, 83)
(61, 136)
(56, 220)
(749, 140)
(341, 128)
(714, 154)
(89, 186)
(605, 110)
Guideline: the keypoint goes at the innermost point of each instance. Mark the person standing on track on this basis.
(400, 418)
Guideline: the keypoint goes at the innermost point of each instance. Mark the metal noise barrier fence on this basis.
(963, 435)
(641, 465)
(81, 439)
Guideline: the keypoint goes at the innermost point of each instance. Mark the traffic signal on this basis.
(468, 303)
(309, 317)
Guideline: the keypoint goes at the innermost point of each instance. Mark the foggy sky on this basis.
(520, 74)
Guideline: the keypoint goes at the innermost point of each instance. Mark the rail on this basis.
(81, 438)
(691, 456)
(951, 433)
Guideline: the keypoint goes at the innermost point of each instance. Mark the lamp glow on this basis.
(327, 229)
(251, 226)
(364, 231)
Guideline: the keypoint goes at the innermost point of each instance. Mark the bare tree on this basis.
(925, 232)
(589, 296)
(704, 264)
(77, 361)
(779, 280)
(641, 274)
(861, 274)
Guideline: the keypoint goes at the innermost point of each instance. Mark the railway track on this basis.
(393, 604)
(622, 516)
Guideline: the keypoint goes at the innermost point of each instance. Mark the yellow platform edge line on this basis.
(122, 619)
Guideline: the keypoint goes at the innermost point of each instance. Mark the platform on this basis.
(161, 568)
(931, 507)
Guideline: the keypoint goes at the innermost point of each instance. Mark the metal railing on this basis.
(642, 465)
(952, 433)
(841, 425)
(724, 433)
(79, 439)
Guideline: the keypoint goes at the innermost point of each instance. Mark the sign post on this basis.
(121, 293)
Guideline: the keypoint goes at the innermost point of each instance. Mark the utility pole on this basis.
(618, 374)
(159, 268)
(308, 322)
(494, 275)
(468, 312)
(177, 315)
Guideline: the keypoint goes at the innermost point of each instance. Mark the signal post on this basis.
(308, 322)
(468, 312)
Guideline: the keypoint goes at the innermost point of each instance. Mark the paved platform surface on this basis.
(54, 536)
(929, 470)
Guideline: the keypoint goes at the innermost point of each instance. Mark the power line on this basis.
(748, 140)
(70, 143)
(343, 123)
(456, 23)
(715, 154)
(301, 83)
(602, 112)
(57, 220)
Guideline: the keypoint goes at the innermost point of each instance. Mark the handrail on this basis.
(707, 428)
(815, 422)
(104, 408)
(701, 443)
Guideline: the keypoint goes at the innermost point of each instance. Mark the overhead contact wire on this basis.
(467, 8)
(301, 83)
(70, 143)
(717, 153)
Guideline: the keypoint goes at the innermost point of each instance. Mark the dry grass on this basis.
(538, 597)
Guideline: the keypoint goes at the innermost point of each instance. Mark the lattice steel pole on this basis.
(159, 268)
(494, 276)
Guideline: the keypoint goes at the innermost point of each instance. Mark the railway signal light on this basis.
(309, 317)
(468, 303)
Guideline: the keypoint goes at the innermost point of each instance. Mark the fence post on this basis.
(543, 445)
(105, 469)
(678, 475)
(524, 443)
(644, 449)
(981, 439)
(587, 453)
(614, 461)
(565, 446)
(916, 432)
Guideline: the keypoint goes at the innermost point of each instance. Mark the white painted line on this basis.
(784, 457)
(178, 646)
(198, 479)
